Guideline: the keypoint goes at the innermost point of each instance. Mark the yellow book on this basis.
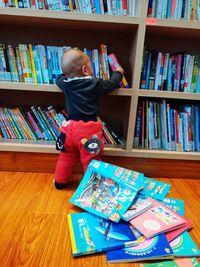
(30, 50)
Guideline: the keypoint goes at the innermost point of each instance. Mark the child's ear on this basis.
(84, 70)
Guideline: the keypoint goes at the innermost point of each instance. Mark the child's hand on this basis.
(119, 68)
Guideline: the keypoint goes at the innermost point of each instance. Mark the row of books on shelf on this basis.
(110, 7)
(129, 217)
(42, 64)
(42, 123)
(174, 9)
(162, 125)
(179, 72)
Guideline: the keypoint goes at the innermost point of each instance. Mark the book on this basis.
(139, 205)
(114, 63)
(92, 234)
(184, 246)
(190, 262)
(149, 249)
(175, 204)
(107, 190)
(157, 219)
(154, 188)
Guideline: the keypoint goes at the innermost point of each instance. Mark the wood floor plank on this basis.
(33, 224)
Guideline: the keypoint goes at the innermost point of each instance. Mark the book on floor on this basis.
(91, 234)
(189, 262)
(148, 249)
(107, 190)
(174, 204)
(154, 188)
(158, 219)
(184, 246)
(140, 204)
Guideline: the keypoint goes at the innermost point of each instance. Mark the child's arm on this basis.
(59, 80)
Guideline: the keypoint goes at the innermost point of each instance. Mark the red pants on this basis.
(82, 139)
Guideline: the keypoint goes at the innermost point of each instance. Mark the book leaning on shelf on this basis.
(107, 190)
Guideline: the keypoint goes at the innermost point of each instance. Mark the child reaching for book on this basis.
(81, 135)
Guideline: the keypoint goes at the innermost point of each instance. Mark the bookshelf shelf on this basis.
(126, 36)
(50, 88)
(170, 95)
(59, 18)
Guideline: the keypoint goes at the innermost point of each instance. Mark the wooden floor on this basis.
(33, 225)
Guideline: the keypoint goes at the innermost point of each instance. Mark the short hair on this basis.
(72, 62)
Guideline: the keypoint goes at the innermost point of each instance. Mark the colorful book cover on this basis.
(154, 188)
(91, 234)
(184, 246)
(149, 249)
(157, 219)
(190, 262)
(107, 190)
(175, 204)
(139, 205)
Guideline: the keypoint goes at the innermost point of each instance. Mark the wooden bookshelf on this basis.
(125, 36)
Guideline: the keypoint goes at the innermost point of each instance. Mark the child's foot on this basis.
(59, 186)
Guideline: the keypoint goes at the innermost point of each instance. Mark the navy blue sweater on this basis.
(82, 94)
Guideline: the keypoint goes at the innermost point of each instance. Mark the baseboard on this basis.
(40, 162)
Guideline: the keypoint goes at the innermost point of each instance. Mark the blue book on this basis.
(148, 249)
(92, 234)
(107, 190)
(154, 188)
(184, 246)
(175, 204)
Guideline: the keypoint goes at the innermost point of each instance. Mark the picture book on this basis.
(114, 63)
(157, 219)
(154, 188)
(91, 234)
(184, 246)
(171, 235)
(149, 249)
(107, 190)
(189, 262)
(140, 204)
(175, 204)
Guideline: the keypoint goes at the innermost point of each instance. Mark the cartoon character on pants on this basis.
(78, 139)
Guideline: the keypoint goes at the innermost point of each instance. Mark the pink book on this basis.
(175, 233)
(157, 219)
(113, 61)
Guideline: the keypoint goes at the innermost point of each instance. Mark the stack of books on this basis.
(129, 217)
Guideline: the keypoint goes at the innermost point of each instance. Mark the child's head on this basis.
(75, 63)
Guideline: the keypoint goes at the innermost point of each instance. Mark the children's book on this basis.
(91, 234)
(171, 235)
(184, 246)
(149, 249)
(157, 219)
(139, 205)
(175, 204)
(189, 262)
(178, 206)
(107, 190)
(154, 188)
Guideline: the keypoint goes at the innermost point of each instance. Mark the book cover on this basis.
(189, 262)
(107, 190)
(175, 204)
(149, 249)
(139, 205)
(184, 246)
(91, 234)
(157, 219)
(154, 188)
